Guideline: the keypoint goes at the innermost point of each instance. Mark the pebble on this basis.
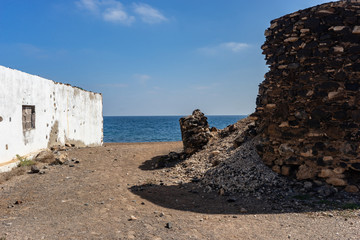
(34, 169)
(243, 210)
(231, 199)
(168, 225)
(132, 218)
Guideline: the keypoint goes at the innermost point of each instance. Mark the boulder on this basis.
(45, 156)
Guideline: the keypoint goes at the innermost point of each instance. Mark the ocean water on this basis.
(154, 128)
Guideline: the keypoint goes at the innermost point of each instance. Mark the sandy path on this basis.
(96, 198)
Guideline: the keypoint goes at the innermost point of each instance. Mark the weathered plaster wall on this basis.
(308, 108)
(63, 114)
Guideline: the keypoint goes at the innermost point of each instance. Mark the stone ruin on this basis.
(308, 107)
(195, 132)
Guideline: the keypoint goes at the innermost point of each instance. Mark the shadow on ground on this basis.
(189, 197)
(159, 162)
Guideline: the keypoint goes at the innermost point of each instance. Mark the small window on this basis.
(28, 117)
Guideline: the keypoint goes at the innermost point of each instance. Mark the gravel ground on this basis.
(114, 192)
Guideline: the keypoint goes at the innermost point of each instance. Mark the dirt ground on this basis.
(110, 194)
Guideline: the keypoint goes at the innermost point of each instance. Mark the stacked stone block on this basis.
(195, 132)
(308, 107)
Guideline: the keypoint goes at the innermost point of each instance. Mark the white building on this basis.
(36, 113)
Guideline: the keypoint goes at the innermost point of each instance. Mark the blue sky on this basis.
(154, 57)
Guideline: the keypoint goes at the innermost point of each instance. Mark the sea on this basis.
(154, 128)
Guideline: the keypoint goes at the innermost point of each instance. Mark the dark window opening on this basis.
(28, 117)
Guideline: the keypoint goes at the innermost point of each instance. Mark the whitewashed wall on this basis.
(64, 114)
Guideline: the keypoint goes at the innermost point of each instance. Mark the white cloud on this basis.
(91, 5)
(117, 15)
(234, 47)
(149, 14)
(141, 78)
(108, 10)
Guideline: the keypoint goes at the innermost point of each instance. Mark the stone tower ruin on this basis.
(308, 107)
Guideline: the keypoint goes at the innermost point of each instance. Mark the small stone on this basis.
(307, 185)
(305, 172)
(339, 170)
(307, 153)
(332, 95)
(231, 199)
(161, 214)
(276, 169)
(132, 218)
(338, 49)
(214, 153)
(243, 210)
(285, 170)
(71, 165)
(274, 25)
(221, 192)
(61, 159)
(356, 30)
(291, 39)
(7, 224)
(305, 30)
(352, 189)
(325, 173)
(338, 28)
(325, 191)
(168, 225)
(325, 11)
(336, 181)
(34, 169)
(271, 105)
(284, 124)
(309, 93)
(328, 158)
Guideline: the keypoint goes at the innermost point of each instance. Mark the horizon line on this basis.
(173, 115)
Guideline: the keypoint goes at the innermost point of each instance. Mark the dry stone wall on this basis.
(195, 132)
(308, 107)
